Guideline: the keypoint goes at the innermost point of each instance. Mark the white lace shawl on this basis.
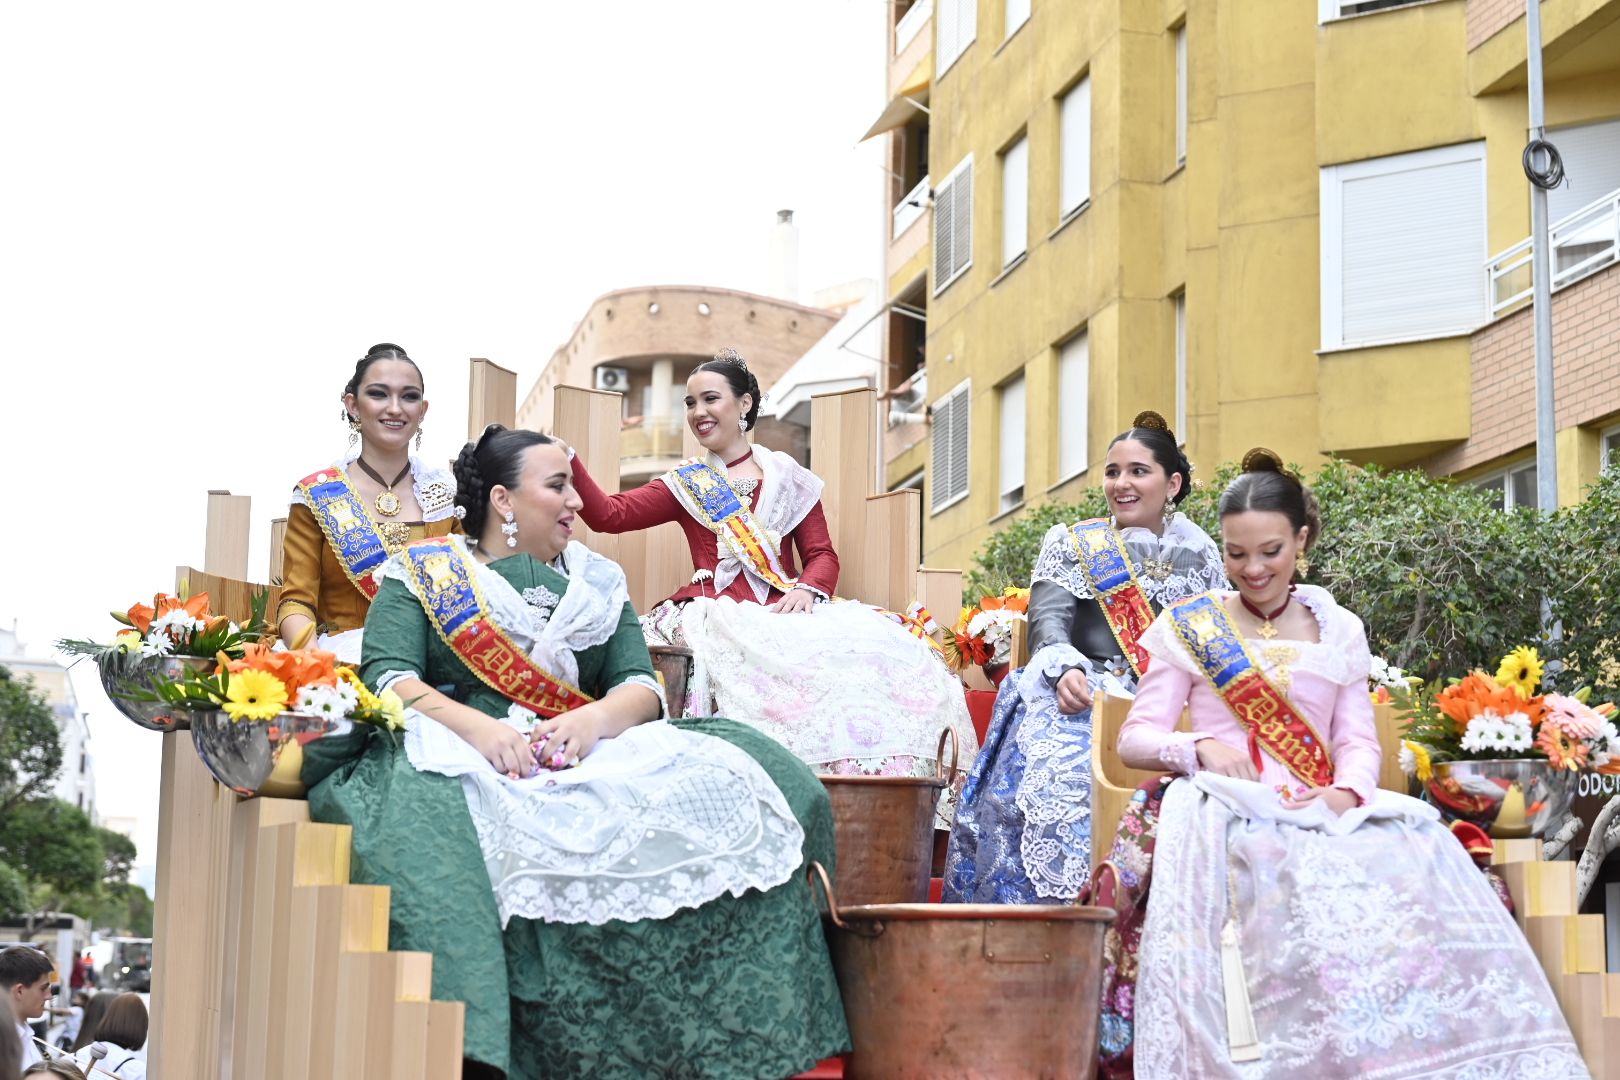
(788, 492)
(433, 485)
(1195, 561)
(1342, 656)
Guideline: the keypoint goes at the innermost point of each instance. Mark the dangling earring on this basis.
(510, 529)
(1302, 566)
(1169, 512)
(418, 440)
(742, 424)
(354, 431)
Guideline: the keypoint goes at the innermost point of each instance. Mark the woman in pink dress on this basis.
(1303, 922)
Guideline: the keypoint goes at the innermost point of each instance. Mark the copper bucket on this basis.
(980, 991)
(884, 828)
(673, 664)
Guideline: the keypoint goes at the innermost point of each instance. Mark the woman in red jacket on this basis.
(845, 687)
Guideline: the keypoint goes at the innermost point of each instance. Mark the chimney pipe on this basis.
(784, 258)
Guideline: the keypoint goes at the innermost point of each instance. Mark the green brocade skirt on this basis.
(740, 987)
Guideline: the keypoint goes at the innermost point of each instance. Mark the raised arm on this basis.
(650, 504)
(818, 562)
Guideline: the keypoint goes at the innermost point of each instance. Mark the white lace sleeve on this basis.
(1057, 563)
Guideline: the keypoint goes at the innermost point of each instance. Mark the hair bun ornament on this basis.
(731, 356)
(1149, 420)
(1260, 459)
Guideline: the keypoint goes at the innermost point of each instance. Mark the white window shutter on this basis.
(1074, 404)
(1075, 124)
(1014, 201)
(959, 443)
(1591, 154)
(953, 225)
(944, 227)
(1403, 247)
(962, 225)
(948, 453)
(1011, 463)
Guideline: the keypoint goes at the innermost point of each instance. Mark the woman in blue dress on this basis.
(1023, 826)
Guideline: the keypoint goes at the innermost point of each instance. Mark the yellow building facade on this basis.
(1272, 221)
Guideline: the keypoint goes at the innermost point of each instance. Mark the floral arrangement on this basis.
(1385, 678)
(983, 633)
(264, 683)
(175, 626)
(1494, 717)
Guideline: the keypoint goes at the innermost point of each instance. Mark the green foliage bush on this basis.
(1443, 578)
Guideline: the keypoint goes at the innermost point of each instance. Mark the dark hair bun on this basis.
(1261, 459)
(1149, 420)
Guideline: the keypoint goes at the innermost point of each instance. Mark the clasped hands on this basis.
(559, 742)
(1216, 757)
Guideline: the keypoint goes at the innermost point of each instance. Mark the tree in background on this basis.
(30, 744)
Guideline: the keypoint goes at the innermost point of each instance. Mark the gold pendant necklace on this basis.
(1268, 629)
(387, 503)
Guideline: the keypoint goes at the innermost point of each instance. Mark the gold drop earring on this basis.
(1302, 566)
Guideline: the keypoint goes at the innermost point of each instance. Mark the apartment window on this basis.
(948, 460)
(1403, 241)
(1516, 486)
(1591, 154)
(1014, 201)
(1074, 129)
(953, 225)
(1181, 95)
(956, 24)
(1012, 444)
(1610, 448)
(1181, 365)
(1017, 14)
(910, 20)
(1074, 405)
(1329, 10)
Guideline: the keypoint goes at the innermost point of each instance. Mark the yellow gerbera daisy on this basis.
(255, 695)
(392, 709)
(1520, 669)
(1423, 766)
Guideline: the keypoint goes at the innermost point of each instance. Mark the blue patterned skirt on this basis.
(1023, 824)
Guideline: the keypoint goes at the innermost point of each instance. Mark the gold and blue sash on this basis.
(446, 582)
(348, 528)
(725, 513)
(1107, 565)
(1264, 712)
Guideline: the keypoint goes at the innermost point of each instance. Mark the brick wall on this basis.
(1586, 372)
(1486, 17)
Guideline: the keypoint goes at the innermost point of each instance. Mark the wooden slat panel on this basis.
(278, 539)
(941, 593)
(889, 551)
(843, 450)
(227, 596)
(491, 397)
(446, 1037)
(244, 900)
(588, 421)
(225, 551)
(349, 919)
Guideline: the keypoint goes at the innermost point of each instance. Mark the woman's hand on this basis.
(1073, 692)
(1216, 757)
(794, 600)
(565, 740)
(1336, 799)
(503, 746)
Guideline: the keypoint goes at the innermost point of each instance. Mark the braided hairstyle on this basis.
(383, 351)
(729, 364)
(1150, 429)
(495, 460)
(1267, 484)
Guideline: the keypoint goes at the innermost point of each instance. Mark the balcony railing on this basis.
(1582, 244)
(909, 400)
(653, 436)
(911, 22)
(910, 208)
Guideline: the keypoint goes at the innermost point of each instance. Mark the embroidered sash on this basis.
(447, 584)
(349, 529)
(1108, 567)
(728, 516)
(1206, 629)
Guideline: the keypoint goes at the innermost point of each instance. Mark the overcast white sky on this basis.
(209, 211)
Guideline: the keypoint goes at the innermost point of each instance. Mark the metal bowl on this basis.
(260, 757)
(1518, 798)
(123, 674)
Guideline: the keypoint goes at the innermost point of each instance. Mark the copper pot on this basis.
(673, 664)
(884, 829)
(969, 991)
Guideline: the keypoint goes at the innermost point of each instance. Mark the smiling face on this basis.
(713, 411)
(543, 505)
(1136, 486)
(389, 404)
(1259, 548)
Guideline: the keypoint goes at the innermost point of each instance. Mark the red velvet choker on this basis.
(1267, 629)
(739, 461)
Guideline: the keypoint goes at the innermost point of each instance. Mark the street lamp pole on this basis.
(1541, 165)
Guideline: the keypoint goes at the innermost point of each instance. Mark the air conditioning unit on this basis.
(613, 378)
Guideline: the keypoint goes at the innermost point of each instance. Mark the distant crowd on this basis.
(103, 1034)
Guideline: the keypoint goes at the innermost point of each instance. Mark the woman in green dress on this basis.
(610, 893)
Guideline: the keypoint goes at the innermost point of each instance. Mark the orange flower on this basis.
(296, 668)
(142, 615)
(1563, 751)
(1479, 692)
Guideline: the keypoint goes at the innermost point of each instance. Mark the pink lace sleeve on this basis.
(1149, 739)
